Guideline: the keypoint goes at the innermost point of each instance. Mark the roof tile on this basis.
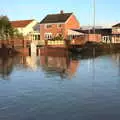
(56, 18)
(20, 23)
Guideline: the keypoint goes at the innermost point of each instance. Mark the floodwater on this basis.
(60, 87)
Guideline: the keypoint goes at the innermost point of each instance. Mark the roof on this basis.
(56, 18)
(102, 31)
(75, 32)
(20, 23)
(117, 25)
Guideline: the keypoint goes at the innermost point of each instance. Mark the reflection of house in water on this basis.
(72, 68)
(116, 58)
(27, 62)
(31, 62)
(59, 64)
(52, 63)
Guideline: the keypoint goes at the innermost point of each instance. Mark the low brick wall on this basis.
(94, 38)
(15, 43)
(24, 51)
(79, 40)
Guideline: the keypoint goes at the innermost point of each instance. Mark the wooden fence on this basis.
(15, 43)
(81, 40)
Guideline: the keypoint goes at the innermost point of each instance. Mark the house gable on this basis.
(72, 22)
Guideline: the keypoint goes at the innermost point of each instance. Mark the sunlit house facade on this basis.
(54, 25)
(116, 33)
(28, 28)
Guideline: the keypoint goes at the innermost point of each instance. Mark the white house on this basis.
(29, 28)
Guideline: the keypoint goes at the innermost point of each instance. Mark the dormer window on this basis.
(48, 26)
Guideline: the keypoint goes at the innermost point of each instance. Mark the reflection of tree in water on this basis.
(6, 66)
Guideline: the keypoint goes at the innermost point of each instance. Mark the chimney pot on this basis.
(61, 12)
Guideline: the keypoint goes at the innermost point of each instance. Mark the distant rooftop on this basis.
(102, 31)
(20, 23)
(90, 27)
(56, 18)
(96, 27)
(116, 25)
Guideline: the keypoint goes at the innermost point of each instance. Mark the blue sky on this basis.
(107, 11)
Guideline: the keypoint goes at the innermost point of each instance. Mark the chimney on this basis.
(61, 12)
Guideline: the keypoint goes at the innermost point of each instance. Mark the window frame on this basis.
(50, 26)
(59, 25)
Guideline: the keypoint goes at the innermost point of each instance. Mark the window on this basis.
(48, 36)
(48, 26)
(38, 37)
(59, 25)
(118, 30)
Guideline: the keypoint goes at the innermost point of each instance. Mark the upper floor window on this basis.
(116, 30)
(59, 25)
(48, 26)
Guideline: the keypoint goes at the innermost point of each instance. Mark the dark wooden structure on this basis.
(14, 46)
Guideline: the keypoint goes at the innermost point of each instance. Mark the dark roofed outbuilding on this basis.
(102, 31)
(117, 25)
(56, 18)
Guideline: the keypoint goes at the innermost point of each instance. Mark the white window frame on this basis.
(48, 36)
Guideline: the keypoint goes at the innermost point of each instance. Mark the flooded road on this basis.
(60, 87)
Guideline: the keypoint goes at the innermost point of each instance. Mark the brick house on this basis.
(54, 25)
(116, 33)
(28, 28)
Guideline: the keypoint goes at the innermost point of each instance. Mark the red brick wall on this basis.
(23, 51)
(79, 40)
(54, 30)
(94, 38)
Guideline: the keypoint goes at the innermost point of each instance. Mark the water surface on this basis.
(60, 87)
